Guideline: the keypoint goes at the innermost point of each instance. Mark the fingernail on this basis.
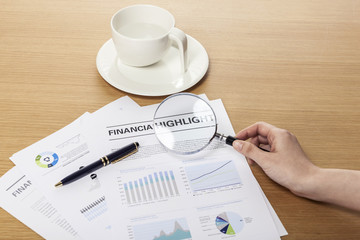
(238, 145)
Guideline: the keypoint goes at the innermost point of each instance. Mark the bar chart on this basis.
(153, 186)
(94, 209)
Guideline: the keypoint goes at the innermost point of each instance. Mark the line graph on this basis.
(211, 171)
(212, 175)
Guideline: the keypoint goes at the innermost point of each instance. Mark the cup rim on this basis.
(141, 5)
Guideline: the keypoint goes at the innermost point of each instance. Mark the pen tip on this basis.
(59, 184)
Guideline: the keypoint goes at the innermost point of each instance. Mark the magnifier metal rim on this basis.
(191, 95)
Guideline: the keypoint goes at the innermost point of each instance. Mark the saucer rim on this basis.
(194, 80)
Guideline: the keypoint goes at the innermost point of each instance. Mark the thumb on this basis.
(251, 151)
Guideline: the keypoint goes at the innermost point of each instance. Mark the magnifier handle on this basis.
(230, 139)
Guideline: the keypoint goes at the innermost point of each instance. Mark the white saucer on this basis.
(162, 78)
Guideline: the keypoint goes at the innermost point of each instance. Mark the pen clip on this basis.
(118, 160)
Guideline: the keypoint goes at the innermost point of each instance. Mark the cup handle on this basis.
(179, 37)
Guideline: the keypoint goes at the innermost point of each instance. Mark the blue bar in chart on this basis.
(152, 186)
(132, 191)
(147, 187)
(163, 184)
(137, 191)
(142, 189)
(127, 192)
(155, 186)
(174, 182)
(168, 183)
(158, 184)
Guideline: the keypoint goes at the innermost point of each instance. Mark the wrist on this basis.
(307, 186)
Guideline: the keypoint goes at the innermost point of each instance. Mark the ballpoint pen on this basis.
(113, 157)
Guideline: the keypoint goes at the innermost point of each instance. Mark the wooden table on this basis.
(295, 64)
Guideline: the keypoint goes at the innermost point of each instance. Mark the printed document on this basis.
(21, 199)
(62, 153)
(158, 195)
(152, 194)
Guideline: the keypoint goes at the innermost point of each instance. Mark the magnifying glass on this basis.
(185, 124)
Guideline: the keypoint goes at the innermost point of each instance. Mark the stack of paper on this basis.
(150, 195)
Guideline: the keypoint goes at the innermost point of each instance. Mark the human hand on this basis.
(286, 163)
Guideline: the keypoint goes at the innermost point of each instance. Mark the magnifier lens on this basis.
(184, 123)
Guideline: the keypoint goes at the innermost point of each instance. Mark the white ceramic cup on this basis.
(142, 34)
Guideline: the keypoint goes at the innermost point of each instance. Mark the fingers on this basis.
(259, 140)
(258, 129)
(251, 151)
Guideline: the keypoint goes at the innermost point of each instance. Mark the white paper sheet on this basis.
(20, 198)
(56, 156)
(155, 195)
(182, 204)
(119, 105)
(62, 153)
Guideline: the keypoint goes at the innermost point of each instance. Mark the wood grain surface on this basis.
(294, 64)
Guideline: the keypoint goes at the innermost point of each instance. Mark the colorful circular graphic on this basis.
(46, 159)
(229, 223)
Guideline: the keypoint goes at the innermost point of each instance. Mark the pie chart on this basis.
(229, 223)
